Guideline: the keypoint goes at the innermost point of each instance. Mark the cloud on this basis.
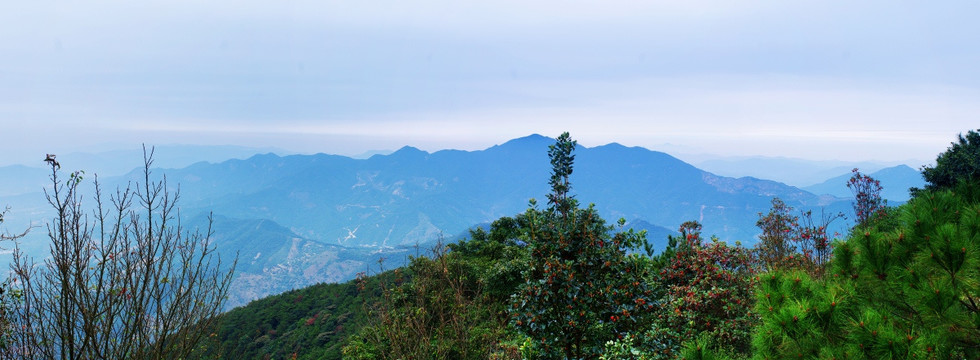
(889, 79)
(746, 115)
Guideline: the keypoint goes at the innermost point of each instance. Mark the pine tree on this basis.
(908, 292)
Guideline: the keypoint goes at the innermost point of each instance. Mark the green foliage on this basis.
(452, 305)
(707, 291)
(801, 317)
(702, 349)
(372, 317)
(310, 323)
(562, 160)
(775, 247)
(497, 257)
(675, 245)
(626, 348)
(960, 162)
(440, 313)
(7, 298)
(908, 291)
(580, 289)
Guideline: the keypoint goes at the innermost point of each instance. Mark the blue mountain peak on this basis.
(408, 151)
(530, 142)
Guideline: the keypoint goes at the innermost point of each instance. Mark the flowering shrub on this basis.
(580, 289)
(703, 293)
(708, 293)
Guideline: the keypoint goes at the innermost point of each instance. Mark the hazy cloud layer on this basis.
(817, 79)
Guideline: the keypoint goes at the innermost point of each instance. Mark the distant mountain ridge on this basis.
(123, 160)
(412, 196)
(796, 172)
(895, 182)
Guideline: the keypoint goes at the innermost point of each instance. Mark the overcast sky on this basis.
(854, 80)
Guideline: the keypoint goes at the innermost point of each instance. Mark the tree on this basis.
(125, 281)
(580, 288)
(775, 248)
(960, 162)
(708, 293)
(868, 204)
(794, 242)
(813, 239)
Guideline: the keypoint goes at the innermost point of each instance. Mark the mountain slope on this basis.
(272, 259)
(312, 322)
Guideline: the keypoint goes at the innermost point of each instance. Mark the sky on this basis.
(846, 80)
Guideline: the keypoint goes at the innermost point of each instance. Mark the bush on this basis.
(708, 292)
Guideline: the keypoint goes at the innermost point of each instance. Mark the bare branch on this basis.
(124, 281)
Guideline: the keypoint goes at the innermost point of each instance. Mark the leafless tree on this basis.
(124, 281)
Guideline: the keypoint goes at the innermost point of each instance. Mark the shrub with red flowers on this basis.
(581, 289)
(708, 293)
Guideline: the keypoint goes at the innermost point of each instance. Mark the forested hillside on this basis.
(556, 281)
(309, 323)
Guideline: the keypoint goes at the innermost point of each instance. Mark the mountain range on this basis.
(302, 219)
(412, 196)
(791, 171)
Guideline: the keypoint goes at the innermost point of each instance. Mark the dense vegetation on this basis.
(559, 283)
(961, 163)
(309, 323)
